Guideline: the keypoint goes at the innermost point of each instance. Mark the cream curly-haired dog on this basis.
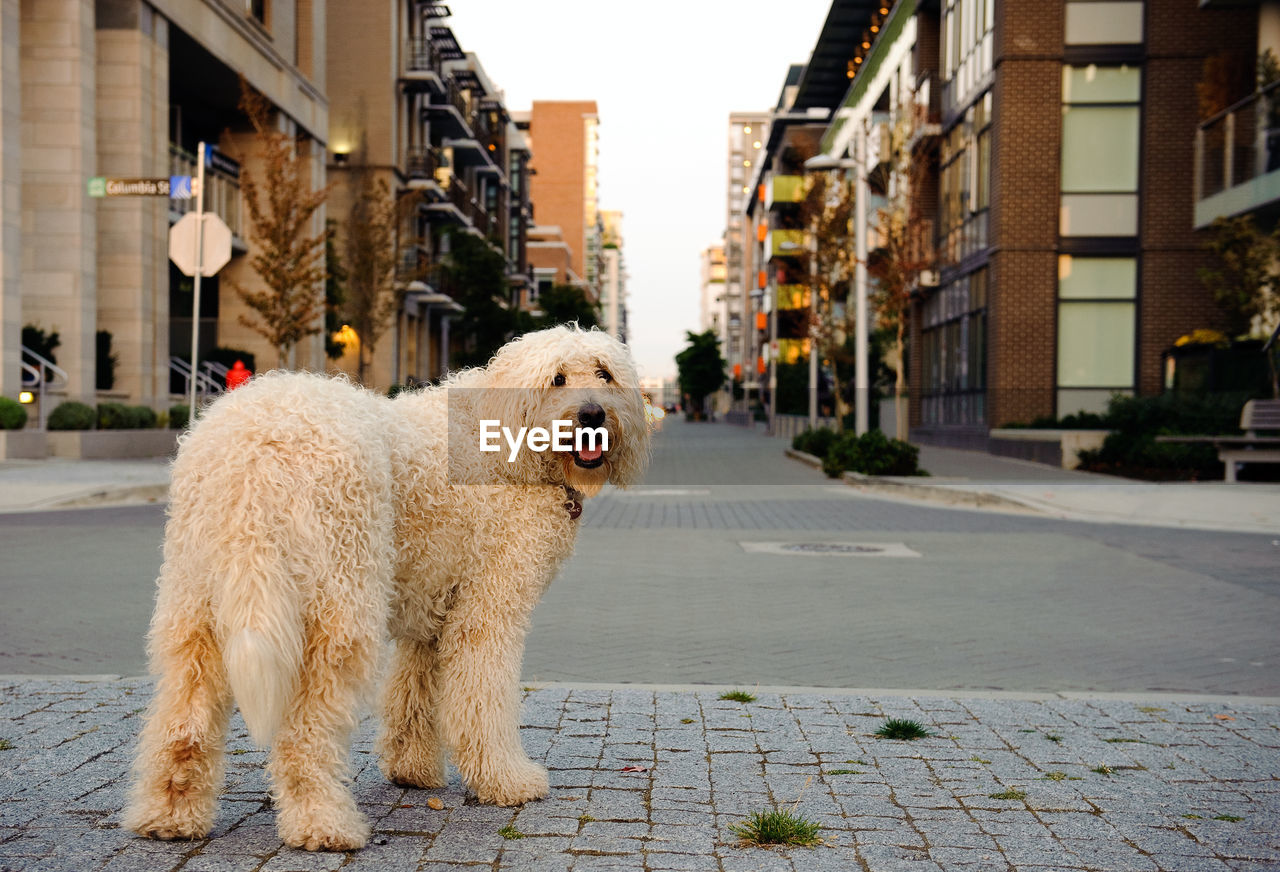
(309, 520)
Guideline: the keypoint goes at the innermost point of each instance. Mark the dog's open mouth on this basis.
(589, 458)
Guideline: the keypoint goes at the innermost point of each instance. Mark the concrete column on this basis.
(10, 200)
(133, 278)
(59, 146)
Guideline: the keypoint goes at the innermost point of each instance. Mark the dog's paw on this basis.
(407, 773)
(345, 832)
(168, 824)
(519, 784)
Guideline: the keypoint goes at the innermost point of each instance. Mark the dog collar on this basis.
(573, 503)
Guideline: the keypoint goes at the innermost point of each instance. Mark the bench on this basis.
(1249, 448)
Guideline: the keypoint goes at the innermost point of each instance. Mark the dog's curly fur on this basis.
(310, 520)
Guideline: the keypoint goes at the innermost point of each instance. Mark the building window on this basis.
(954, 352)
(1101, 118)
(1096, 330)
(258, 10)
(967, 28)
(1118, 22)
(965, 183)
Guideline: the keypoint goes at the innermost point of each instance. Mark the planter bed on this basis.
(1054, 447)
(108, 444)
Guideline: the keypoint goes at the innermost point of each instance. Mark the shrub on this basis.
(12, 414)
(815, 442)
(72, 416)
(1132, 449)
(872, 453)
(114, 416)
(144, 417)
(178, 416)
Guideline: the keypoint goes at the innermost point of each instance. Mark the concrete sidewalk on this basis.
(34, 485)
(1015, 783)
(977, 480)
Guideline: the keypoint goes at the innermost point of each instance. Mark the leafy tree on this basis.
(475, 275)
(827, 210)
(1244, 280)
(335, 294)
(371, 248)
(907, 248)
(562, 304)
(700, 369)
(289, 261)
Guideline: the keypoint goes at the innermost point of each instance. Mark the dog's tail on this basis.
(261, 614)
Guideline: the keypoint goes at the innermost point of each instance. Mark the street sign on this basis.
(216, 160)
(180, 188)
(183, 244)
(100, 186)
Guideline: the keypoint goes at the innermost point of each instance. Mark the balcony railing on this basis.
(221, 190)
(421, 57)
(421, 163)
(1236, 148)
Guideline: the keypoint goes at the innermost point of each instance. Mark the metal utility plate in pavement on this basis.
(830, 549)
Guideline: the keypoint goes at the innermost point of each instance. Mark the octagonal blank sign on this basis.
(183, 243)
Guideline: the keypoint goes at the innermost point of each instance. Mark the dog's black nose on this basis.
(591, 415)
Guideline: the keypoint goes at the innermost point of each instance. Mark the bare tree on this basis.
(288, 259)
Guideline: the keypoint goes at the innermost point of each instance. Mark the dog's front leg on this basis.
(480, 652)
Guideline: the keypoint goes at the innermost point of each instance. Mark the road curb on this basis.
(899, 486)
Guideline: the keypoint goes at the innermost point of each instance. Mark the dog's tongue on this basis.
(590, 453)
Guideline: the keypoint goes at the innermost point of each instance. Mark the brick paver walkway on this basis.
(1066, 784)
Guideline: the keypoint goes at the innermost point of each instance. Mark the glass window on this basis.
(1099, 215)
(1103, 23)
(1095, 84)
(1100, 148)
(1095, 344)
(1097, 278)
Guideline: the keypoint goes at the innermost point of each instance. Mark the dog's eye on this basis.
(604, 374)
(558, 381)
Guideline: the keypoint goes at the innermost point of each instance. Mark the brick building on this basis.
(1067, 246)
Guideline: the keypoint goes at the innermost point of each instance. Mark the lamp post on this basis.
(861, 380)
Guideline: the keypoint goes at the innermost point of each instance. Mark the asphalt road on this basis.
(681, 581)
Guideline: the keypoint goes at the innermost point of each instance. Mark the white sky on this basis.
(665, 79)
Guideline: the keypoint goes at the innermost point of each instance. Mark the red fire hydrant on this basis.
(237, 375)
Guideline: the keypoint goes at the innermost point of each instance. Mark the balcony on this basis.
(451, 115)
(784, 243)
(420, 67)
(421, 165)
(1237, 154)
(783, 189)
(456, 205)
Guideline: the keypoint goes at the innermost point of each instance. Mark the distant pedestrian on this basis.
(238, 375)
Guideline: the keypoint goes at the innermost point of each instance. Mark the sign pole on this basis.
(195, 293)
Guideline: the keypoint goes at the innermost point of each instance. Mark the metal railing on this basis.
(40, 375)
(421, 57)
(1240, 143)
(206, 384)
(421, 162)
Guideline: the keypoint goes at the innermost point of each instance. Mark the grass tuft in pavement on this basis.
(6, 745)
(780, 827)
(738, 696)
(902, 729)
(510, 832)
(1011, 793)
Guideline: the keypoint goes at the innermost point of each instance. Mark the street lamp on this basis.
(861, 381)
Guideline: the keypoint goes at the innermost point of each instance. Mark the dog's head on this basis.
(567, 374)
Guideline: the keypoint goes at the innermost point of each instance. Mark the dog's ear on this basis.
(629, 459)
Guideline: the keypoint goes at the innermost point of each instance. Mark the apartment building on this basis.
(411, 107)
(564, 137)
(100, 90)
(748, 131)
(1063, 174)
(613, 276)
